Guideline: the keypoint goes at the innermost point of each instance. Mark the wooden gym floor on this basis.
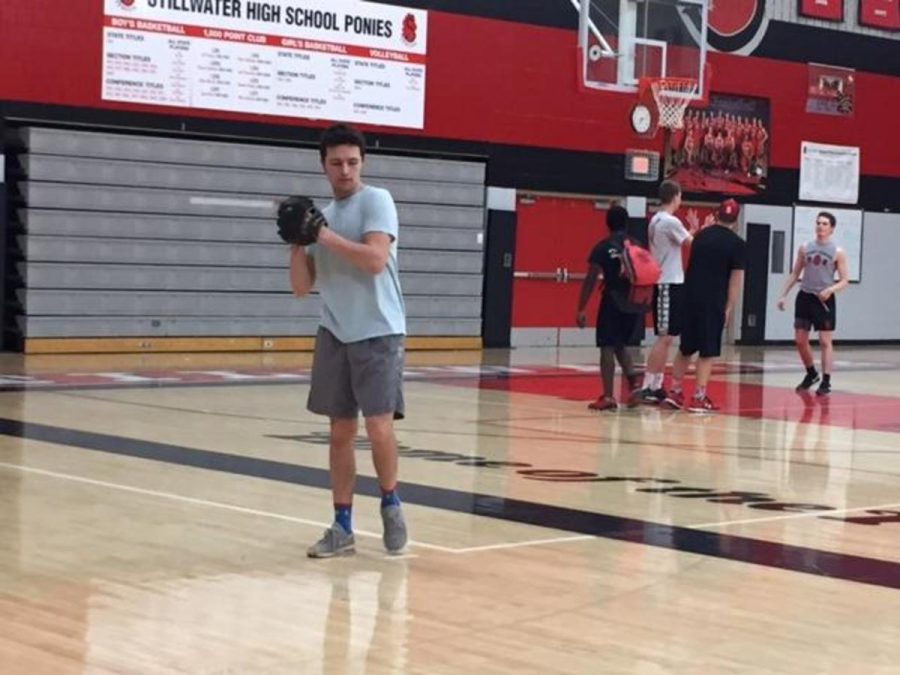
(155, 511)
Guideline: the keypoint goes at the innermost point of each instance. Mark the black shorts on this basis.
(616, 328)
(702, 330)
(668, 306)
(811, 313)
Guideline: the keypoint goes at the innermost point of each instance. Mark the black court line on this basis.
(723, 546)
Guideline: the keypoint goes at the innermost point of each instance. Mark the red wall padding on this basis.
(487, 80)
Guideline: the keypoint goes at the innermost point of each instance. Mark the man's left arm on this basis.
(840, 262)
(379, 232)
(587, 289)
(735, 282)
(736, 278)
(679, 234)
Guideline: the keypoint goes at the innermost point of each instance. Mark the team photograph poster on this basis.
(722, 148)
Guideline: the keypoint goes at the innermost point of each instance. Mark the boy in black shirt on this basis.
(713, 279)
(616, 328)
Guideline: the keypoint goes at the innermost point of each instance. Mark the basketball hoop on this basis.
(671, 95)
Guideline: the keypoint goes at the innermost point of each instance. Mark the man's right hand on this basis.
(781, 304)
(581, 319)
(693, 221)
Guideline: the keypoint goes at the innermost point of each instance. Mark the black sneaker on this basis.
(636, 397)
(653, 396)
(808, 381)
(824, 389)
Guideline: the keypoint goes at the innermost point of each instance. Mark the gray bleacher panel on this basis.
(180, 202)
(54, 169)
(57, 302)
(61, 327)
(128, 235)
(417, 221)
(174, 278)
(143, 201)
(144, 226)
(439, 238)
(214, 253)
(154, 251)
(438, 215)
(237, 155)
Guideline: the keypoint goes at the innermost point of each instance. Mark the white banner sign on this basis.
(829, 173)
(335, 60)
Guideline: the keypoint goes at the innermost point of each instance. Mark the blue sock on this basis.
(389, 498)
(342, 515)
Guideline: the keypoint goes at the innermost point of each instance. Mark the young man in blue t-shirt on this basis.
(358, 362)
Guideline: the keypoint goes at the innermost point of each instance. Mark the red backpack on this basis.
(642, 272)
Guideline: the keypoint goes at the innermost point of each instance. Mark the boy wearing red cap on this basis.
(712, 282)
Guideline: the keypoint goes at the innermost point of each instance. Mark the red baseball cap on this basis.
(728, 211)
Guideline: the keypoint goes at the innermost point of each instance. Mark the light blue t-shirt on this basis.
(357, 305)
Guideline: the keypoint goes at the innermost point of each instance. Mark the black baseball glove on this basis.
(299, 221)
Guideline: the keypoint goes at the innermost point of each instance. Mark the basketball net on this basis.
(672, 96)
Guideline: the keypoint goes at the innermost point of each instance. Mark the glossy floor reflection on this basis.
(155, 512)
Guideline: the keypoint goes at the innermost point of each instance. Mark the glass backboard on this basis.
(622, 41)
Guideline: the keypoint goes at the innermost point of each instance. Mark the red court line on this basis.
(840, 409)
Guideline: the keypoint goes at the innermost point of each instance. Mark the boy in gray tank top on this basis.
(815, 307)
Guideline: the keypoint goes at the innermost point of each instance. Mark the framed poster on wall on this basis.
(722, 148)
(831, 90)
(883, 14)
(848, 234)
(826, 10)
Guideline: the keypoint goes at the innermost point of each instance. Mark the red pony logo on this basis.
(410, 29)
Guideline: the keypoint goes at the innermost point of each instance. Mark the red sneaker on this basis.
(702, 405)
(635, 398)
(604, 403)
(674, 400)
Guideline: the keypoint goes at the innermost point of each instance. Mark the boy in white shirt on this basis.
(667, 237)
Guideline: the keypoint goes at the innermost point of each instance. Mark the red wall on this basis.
(487, 80)
(551, 233)
(560, 232)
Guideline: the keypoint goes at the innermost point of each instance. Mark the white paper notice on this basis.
(829, 173)
(338, 60)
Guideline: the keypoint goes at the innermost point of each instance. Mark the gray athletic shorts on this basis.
(354, 376)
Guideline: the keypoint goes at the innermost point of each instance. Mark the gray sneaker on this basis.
(394, 528)
(335, 541)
